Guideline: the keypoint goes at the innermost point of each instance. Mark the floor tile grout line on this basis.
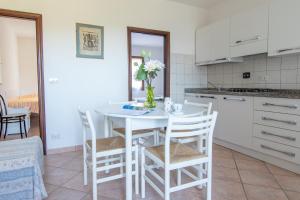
(238, 170)
(277, 182)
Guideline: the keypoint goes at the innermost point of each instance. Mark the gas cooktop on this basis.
(250, 90)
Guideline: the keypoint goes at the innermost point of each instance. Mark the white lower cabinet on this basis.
(234, 123)
(203, 98)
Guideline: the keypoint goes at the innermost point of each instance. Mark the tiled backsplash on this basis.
(281, 72)
(184, 74)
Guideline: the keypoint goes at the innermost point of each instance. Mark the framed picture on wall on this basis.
(89, 41)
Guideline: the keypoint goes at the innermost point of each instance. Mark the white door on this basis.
(249, 32)
(235, 120)
(284, 29)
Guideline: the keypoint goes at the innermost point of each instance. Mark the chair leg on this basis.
(21, 131)
(167, 183)
(25, 129)
(209, 180)
(137, 185)
(85, 175)
(5, 131)
(143, 171)
(94, 182)
(122, 167)
(178, 176)
(1, 126)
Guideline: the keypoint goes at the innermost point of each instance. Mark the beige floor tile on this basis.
(293, 195)
(222, 153)
(241, 156)
(289, 182)
(219, 147)
(76, 183)
(90, 197)
(226, 174)
(59, 176)
(279, 171)
(57, 160)
(224, 162)
(75, 164)
(258, 178)
(50, 188)
(264, 193)
(66, 194)
(227, 190)
(252, 165)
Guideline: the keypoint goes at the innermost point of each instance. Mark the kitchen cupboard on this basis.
(284, 30)
(212, 43)
(234, 123)
(249, 32)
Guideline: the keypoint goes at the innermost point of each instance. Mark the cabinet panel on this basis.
(203, 47)
(203, 98)
(249, 32)
(234, 122)
(288, 106)
(277, 150)
(284, 30)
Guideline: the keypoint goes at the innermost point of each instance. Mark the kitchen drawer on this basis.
(277, 150)
(288, 106)
(285, 121)
(278, 135)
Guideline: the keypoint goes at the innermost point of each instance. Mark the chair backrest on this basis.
(3, 108)
(88, 128)
(207, 107)
(179, 127)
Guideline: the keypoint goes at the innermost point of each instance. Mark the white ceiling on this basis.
(200, 3)
(139, 39)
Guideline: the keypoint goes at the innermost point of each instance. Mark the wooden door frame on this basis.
(166, 36)
(39, 47)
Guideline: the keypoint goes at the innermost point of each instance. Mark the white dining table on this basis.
(157, 118)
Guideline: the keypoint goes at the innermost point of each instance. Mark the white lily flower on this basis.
(153, 65)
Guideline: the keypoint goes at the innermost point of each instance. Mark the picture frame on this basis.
(89, 41)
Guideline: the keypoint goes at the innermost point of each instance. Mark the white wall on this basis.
(157, 54)
(28, 83)
(9, 54)
(90, 82)
(231, 7)
(10, 30)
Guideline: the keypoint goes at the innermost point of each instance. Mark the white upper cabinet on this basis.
(220, 35)
(212, 43)
(203, 48)
(284, 36)
(249, 32)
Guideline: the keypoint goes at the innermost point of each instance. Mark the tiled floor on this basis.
(235, 177)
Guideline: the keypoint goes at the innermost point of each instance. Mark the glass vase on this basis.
(150, 101)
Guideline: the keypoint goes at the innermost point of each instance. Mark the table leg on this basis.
(128, 140)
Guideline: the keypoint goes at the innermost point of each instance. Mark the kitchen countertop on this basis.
(276, 93)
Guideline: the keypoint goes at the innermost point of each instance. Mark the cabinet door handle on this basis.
(287, 50)
(280, 105)
(279, 136)
(221, 59)
(234, 99)
(290, 154)
(257, 37)
(207, 97)
(278, 120)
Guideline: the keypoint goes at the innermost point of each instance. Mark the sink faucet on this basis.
(214, 86)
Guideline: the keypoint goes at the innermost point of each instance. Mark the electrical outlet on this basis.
(55, 136)
(246, 75)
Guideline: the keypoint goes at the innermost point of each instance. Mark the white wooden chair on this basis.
(136, 134)
(176, 156)
(207, 107)
(104, 154)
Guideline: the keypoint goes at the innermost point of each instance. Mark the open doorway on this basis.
(21, 75)
(156, 42)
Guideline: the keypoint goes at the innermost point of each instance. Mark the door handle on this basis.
(234, 99)
(290, 154)
(280, 105)
(279, 136)
(278, 120)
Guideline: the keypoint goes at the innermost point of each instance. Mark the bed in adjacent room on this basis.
(29, 101)
(21, 169)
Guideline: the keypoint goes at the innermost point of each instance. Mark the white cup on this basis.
(177, 108)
